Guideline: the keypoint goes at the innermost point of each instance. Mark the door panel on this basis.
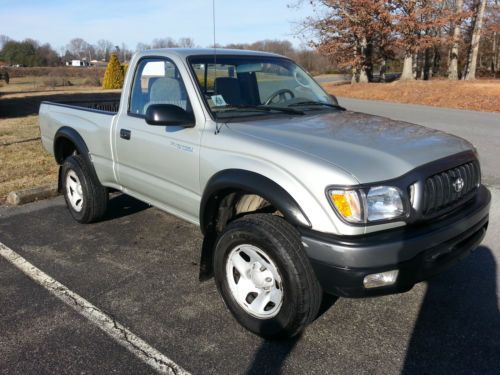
(159, 163)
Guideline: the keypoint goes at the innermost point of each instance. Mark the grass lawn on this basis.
(480, 95)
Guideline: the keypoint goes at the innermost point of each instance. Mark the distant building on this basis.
(77, 63)
(98, 63)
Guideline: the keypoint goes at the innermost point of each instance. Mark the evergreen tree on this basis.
(114, 75)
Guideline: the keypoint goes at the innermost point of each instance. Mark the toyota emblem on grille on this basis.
(458, 185)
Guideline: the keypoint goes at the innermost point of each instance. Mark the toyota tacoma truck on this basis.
(295, 196)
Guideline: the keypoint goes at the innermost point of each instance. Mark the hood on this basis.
(371, 148)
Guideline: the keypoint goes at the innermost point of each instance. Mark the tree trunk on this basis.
(453, 66)
(476, 37)
(421, 65)
(414, 66)
(494, 54)
(428, 64)
(437, 61)
(364, 74)
(407, 73)
(354, 78)
(383, 69)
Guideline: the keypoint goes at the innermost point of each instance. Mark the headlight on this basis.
(384, 203)
(379, 203)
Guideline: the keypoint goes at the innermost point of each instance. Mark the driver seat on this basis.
(230, 90)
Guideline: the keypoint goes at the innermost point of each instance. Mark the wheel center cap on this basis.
(261, 277)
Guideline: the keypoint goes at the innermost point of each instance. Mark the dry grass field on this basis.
(23, 164)
(23, 161)
(480, 95)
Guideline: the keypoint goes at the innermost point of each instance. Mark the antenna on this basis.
(215, 45)
(217, 124)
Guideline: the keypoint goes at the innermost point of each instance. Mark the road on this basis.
(330, 78)
(480, 128)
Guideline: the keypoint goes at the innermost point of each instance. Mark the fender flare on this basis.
(72, 135)
(253, 183)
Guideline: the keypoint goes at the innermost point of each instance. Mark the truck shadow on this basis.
(121, 205)
(458, 327)
(271, 356)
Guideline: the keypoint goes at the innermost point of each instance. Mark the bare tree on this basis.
(4, 39)
(103, 49)
(186, 42)
(78, 47)
(142, 47)
(164, 43)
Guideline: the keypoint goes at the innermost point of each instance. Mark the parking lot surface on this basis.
(140, 266)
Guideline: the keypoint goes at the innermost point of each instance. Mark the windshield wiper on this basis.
(313, 103)
(260, 108)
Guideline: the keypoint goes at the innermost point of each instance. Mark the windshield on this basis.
(239, 86)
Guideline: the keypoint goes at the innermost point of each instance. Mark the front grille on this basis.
(440, 191)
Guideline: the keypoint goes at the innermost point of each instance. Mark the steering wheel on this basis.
(281, 94)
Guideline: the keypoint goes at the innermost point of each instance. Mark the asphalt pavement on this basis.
(140, 266)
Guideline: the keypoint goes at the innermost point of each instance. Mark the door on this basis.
(159, 164)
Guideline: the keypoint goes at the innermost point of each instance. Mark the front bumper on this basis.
(418, 252)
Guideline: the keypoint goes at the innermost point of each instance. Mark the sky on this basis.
(134, 21)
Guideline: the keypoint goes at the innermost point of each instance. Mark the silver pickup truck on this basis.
(295, 196)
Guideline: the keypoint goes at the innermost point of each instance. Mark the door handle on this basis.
(125, 134)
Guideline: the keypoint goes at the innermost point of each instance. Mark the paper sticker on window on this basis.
(218, 100)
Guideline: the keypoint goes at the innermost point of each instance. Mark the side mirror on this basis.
(168, 115)
(334, 98)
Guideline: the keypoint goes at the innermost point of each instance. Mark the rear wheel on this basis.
(264, 276)
(85, 197)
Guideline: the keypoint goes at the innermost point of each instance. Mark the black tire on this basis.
(280, 241)
(95, 196)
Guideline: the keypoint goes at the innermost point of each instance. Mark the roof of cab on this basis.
(186, 52)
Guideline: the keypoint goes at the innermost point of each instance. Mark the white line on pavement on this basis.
(115, 330)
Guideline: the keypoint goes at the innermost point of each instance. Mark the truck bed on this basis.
(107, 106)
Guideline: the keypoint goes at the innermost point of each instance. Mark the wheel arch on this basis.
(220, 195)
(68, 141)
(230, 180)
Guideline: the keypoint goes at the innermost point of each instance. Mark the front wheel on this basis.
(85, 197)
(264, 276)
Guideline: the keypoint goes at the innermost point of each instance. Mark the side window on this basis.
(157, 81)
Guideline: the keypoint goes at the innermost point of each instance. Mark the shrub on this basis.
(113, 77)
(4, 74)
